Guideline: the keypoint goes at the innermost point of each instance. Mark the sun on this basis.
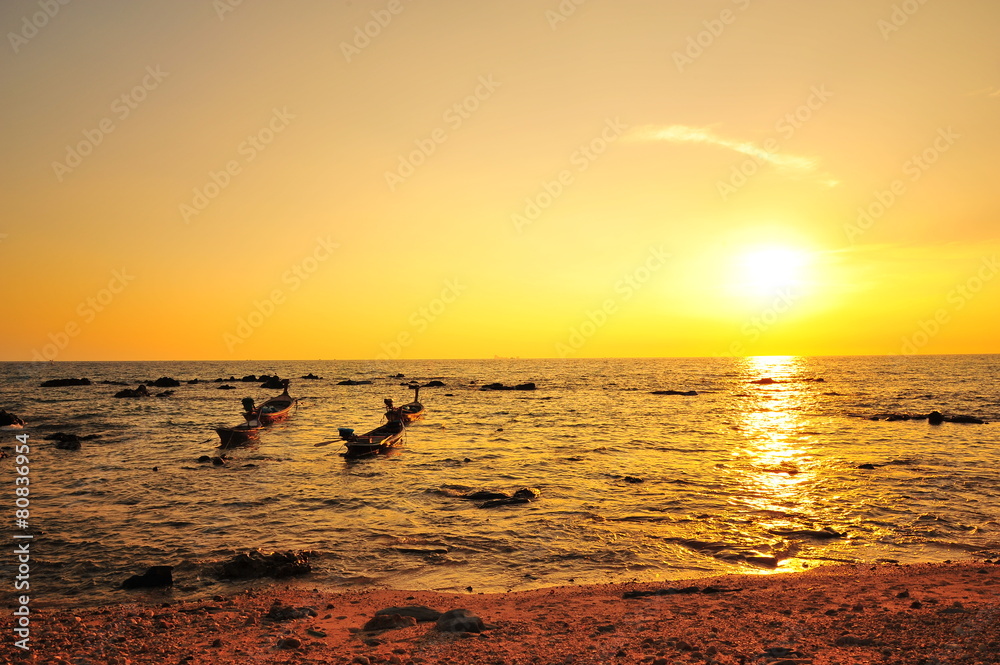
(769, 269)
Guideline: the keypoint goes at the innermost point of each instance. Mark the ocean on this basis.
(741, 478)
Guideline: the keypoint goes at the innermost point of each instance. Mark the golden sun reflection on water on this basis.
(774, 463)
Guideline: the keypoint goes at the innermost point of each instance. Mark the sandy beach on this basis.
(847, 615)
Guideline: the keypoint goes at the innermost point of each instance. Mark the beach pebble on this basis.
(289, 643)
(460, 621)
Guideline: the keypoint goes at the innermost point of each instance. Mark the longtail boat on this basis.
(273, 410)
(384, 438)
(240, 435)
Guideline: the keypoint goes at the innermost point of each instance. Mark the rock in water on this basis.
(935, 418)
(529, 493)
(352, 382)
(256, 564)
(141, 391)
(10, 420)
(59, 383)
(273, 383)
(166, 382)
(460, 621)
(156, 576)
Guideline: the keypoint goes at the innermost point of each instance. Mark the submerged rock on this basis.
(256, 564)
(764, 382)
(312, 377)
(226, 388)
(59, 383)
(351, 382)
(689, 393)
(156, 576)
(499, 386)
(434, 384)
(166, 382)
(141, 391)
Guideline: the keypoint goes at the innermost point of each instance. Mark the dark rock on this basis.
(156, 576)
(896, 417)
(764, 382)
(418, 612)
(165, 393)
(218, 461)
(312, 377)
(112, 383)
(288, 643)
(460, 621)
(388, 622)
(351, 382)
(867, 465)
(9, 420)
(530, 493)
(256, 564)
(281, 612)
(204, 458)
(500, 386)
(141, 391)
(434, 384)
(250, 378)
(509, 501)
(194, 382)
(398, 376)
(689, 393)
(935, 418)
(633, 480)
(165, 382)
(486, 495)
(226, 388)
(965, 420)
(59, 383)
(273, 383)
(525, 386)
(65, 441)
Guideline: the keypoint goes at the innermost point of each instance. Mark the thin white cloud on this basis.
(685, 134)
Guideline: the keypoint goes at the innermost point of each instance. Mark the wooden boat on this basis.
(376, 442)
(408, 413)
(386, 437)
(275, 409)
(240, 435)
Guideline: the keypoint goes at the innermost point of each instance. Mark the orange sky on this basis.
(213, 180)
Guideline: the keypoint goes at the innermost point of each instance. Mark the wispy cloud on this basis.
(685, 134)
(992, 91)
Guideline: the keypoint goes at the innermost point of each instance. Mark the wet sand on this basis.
(847, 615)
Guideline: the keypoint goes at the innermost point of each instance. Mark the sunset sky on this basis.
(418, 179)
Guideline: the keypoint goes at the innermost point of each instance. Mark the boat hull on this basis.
(379, 441)
(232, 437)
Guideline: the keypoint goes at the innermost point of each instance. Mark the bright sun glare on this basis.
(767, 269)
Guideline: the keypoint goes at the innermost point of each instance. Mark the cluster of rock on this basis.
(933, 418)
(499, 386)
(452, 621)
(61, 383)
(493, 499)
(256, 564)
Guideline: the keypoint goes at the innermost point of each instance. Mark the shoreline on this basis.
(900, 614)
